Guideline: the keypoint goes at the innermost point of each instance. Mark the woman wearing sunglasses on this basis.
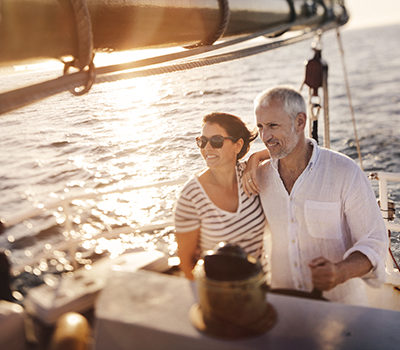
(213, 206)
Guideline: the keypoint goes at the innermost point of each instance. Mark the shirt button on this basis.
(295, 264)
(293, 241)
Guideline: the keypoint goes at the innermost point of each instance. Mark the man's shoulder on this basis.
(266, 166)
(337, 159)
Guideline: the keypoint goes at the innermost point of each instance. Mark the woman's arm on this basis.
(187, 251)
(249, 178)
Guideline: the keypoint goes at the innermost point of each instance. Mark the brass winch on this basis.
(232, 294)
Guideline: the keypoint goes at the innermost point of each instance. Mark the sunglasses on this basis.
(216, 141)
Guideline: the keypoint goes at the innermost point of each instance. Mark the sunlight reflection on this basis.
(331, 334)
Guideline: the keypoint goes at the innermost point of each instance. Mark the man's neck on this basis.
(292, 166)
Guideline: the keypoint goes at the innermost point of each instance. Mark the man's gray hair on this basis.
(292, 101)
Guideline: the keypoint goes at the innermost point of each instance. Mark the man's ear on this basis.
(300, 122)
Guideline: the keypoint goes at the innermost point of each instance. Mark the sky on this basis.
(373, 12)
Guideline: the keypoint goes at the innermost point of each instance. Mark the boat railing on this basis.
(388, 212)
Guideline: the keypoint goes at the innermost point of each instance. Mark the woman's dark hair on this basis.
(234, 127)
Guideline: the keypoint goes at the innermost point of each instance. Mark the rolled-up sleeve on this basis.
(367, 227)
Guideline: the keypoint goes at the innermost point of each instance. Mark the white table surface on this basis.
(147, 310)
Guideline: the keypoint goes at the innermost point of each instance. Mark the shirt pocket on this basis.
(323, 219)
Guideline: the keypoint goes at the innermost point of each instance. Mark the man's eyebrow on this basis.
(267, 123)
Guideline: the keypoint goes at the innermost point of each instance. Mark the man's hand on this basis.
(249, 178)
(325, 274)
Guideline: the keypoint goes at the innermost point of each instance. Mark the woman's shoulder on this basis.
(191, 182)
(190, 187)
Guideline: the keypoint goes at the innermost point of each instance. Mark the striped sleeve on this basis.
(186, 215)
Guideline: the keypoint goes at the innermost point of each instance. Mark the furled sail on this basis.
(50, 28)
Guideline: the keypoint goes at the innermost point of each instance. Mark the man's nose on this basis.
(265, 134)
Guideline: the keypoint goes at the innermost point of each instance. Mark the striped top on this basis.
(245, 227)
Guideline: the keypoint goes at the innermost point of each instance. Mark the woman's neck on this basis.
(221, 187)
(225, 178)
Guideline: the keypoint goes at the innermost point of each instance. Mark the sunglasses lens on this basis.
(217, 141)
(201, 141)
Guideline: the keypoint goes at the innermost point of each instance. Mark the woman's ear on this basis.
(239, 144)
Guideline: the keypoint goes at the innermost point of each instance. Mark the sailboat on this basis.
(201, 30)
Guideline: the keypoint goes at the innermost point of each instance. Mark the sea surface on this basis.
(141, 131)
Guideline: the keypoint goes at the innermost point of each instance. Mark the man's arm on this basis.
(327, 275)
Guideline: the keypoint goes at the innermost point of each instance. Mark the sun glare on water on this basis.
(126, 116)
(132, 106)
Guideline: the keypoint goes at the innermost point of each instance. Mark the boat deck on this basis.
(152, 312)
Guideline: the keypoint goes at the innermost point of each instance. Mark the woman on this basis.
(213, 206)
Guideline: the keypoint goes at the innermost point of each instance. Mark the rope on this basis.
(84, 59)
(207, 60)
(17, 98)
(193, 52)
(353, 118)
(84, 33)
(327, 134)
(224, 14)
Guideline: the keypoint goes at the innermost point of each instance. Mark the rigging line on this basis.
(24, 96)
(196, 51)
(353, 118)
(21, 97)
(305, 34)
(230, 56)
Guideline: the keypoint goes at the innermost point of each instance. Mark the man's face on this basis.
(277, 130)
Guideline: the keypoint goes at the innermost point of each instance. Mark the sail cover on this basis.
(50, 28)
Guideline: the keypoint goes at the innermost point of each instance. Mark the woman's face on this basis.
(219, 157)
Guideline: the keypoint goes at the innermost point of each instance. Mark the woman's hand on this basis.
(249, 178)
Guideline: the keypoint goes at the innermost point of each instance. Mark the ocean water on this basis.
(140, 131)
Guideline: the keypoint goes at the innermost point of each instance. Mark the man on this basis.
(325, 226)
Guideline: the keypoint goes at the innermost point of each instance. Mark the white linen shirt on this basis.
(330, 212)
